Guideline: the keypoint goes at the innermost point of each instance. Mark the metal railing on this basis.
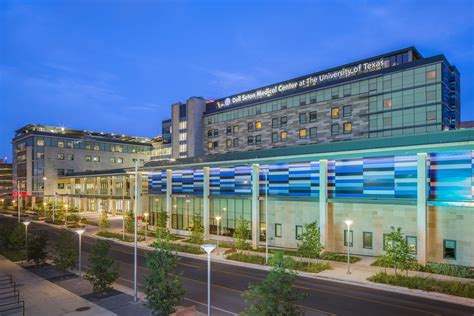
(10, 297)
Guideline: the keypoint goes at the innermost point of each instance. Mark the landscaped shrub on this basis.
(119, 236)
(246, 258)
(464, 289)
(449, 269)
(338, 257)
(306, 267)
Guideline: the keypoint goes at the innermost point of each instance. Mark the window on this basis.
(430, 75)
(387, 103)
(258, 125)
(278, 230)
(228, 143)
(70, 144)
(215, 144)
(209, 145)
(60, 144)
(283, 121)
(60, 186)
(88, 146)
(70, 157)
(313, 116)
(60, 156)
(40, 155)
(299, 232)
(250, 140)
(387, 121)
(275, 122)
(112, 159)
(60, 172)
(96, 147)
(69, 171)
(449, 251)
(216, 132)
(347, 110)
(351, 240)
(283, 136)
(236, 142)
(430, 95)
(302, 118)
(119, 160)
(411, 243)
(335, 129)
(229, 130)
(235, 129)
(347, 128)
(209, 133)
(312, 132)
(250, 127)
(96, 159)
(258, 139)
(40, 142)
(303, 133)
(335, 113)
(367, 240)
(88, 157)
(274, 137)
(430, 116)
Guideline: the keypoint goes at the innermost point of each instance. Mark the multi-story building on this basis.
(42, 154)
(161, 150)
(6, 181)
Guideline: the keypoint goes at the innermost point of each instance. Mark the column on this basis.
(255, 206)
(421, 218)
(139, 195)
(169, 191)
(205, 202)
(323, 205)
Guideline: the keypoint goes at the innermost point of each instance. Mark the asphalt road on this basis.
(229, 281)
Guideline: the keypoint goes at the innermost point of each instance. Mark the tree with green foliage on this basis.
(104, 221)
(397, 252)
(161, 223)
(197, 234)
(66, 251)
(37, 248)
(311, 246)
(17, 237)
(163, 290)
(129, 222)
(241, 234)
(274, 295)
(103, 271)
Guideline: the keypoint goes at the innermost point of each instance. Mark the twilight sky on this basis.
(116, 66)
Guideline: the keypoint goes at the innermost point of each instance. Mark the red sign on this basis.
(24, 194)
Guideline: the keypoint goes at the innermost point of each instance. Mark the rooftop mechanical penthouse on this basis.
(398, 93)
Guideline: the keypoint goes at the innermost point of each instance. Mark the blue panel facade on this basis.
(230, 181)
(157, 183)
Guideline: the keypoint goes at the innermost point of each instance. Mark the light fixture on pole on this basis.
(146, 223)
(349, 241)
(18, 198)
(208, 248)
(80, 232)
(26, 223)
(135, 207)
(266, 216)
(218, 219)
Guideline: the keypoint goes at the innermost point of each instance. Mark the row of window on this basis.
(389, 82)
(79, 144)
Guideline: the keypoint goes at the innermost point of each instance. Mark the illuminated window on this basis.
(112, 148)
(387, 103)
(96, 159)
(88, 146)
(235, 129)
(119, 148)
(60, 144)
(347, 128)
(70, 145)
(40, 142)
(88, 157)
(70, 157)
(303, 133)
(112, 159)
(40, 155)
(119, 160)
(209, 145)
(283, 136)
(228, 143)
(335, 113)
(430, 75)
(96, 147)
(60, 156)
(258, 125)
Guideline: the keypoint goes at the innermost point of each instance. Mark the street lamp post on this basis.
(80, 232)
(208, 248)
(218, 219)
(26, 223)
(348, 223)
(146, 223)
(266, 216)
(135, 291)
(18, 198)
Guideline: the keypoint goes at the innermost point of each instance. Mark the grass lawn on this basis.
(119, 236)
(426, 284)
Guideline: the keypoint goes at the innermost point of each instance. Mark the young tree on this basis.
(66, 251)
(37, 249)
(103, 271)
(17, 237)
(161, 223)
(129, 222)
(397, 251)
(197, 235)
(104, 222)
(311, 246)
(163, 290)
(274, 295)
(241, 234)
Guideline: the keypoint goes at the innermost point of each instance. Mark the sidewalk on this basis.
(46, 298)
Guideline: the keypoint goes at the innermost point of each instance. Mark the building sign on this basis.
(309, 81)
